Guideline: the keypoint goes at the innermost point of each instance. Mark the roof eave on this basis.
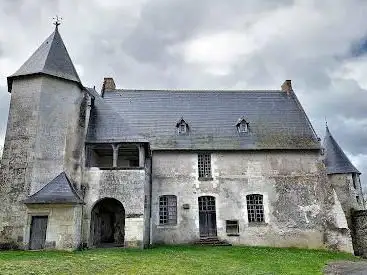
(14, 76)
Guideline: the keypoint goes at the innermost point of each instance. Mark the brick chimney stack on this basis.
(287, 86)
(108, 84)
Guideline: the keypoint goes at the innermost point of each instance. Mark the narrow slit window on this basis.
(168, 210)
(255, 208)
(204, 166)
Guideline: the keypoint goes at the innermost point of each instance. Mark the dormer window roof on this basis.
(182, 127)
(242, 125)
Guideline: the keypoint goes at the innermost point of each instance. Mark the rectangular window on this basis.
(204, 166)
(255, 208)
(168, 210)
(232, 227)
(357, 198)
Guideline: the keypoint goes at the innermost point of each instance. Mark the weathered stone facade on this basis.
(297, 197)
(70, 156)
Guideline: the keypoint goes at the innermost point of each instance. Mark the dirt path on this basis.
(346, 268)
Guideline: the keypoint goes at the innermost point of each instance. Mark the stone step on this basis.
(212, 242)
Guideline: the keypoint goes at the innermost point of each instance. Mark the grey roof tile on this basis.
(276, 120)
(59, 190)
(335, 159)
(106, 125)
(51, 58)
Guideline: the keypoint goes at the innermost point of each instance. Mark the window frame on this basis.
(234, 224)
(255, 208)
(167, 210)
(205, 166)
(182, 128)
(242, 127)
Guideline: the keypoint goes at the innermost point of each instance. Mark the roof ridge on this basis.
(299, 105)
(192, 90)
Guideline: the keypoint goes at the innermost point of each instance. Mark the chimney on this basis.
(108, 84)
(287, 86)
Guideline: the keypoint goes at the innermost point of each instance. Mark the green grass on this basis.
(171, 260)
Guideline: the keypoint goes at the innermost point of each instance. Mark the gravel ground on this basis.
(346, 268)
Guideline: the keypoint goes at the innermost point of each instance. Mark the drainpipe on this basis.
(150, 197)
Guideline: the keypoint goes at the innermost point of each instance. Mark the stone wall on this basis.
(347, 193)
(63, 228)
(297, 198)
(42, 140)
(126, 186)
(359, 219)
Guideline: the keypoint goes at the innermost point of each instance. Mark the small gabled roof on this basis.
(180, 121)
(335, 159)
(59, 190)
(240, 120)
(51, 58)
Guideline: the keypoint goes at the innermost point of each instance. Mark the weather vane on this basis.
(57, 20)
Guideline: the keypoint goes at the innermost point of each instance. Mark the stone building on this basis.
(139, 167)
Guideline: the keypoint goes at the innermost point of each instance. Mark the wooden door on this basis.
(107, 227)
(38, 232)
(207, 217)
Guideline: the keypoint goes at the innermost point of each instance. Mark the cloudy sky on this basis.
(207, 44)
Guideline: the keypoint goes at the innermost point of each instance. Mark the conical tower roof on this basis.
(51, 58)
(336, 161)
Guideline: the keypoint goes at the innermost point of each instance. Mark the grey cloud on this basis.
(4, 109)
(135, 48)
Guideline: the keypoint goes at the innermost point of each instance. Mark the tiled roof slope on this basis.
(59, 190)
(276, 119)
(335, 159)
(51, 58)
(106, 125)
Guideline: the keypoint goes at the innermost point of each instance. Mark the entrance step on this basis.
(212, 242)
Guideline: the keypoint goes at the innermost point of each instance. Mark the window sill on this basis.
(233, 235)
(116, 168)
(168, 226)
(205, 178)
(257, 224)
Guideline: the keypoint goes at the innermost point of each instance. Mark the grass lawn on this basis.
(170, 260)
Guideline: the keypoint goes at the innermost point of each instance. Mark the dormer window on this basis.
(182, 127)
(242, 126)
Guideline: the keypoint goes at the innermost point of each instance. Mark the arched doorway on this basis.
(107, 223)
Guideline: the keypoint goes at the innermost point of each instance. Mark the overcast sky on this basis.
(210, 44)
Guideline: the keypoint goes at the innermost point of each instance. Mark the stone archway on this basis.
(107, 223)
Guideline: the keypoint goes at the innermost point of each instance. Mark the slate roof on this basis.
(335, 159)
(59, 190)
(51, 58)
(276, 119)
(106, 125)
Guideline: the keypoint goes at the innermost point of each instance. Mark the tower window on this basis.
(354, 179)
(255, 208)
(204, 166)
